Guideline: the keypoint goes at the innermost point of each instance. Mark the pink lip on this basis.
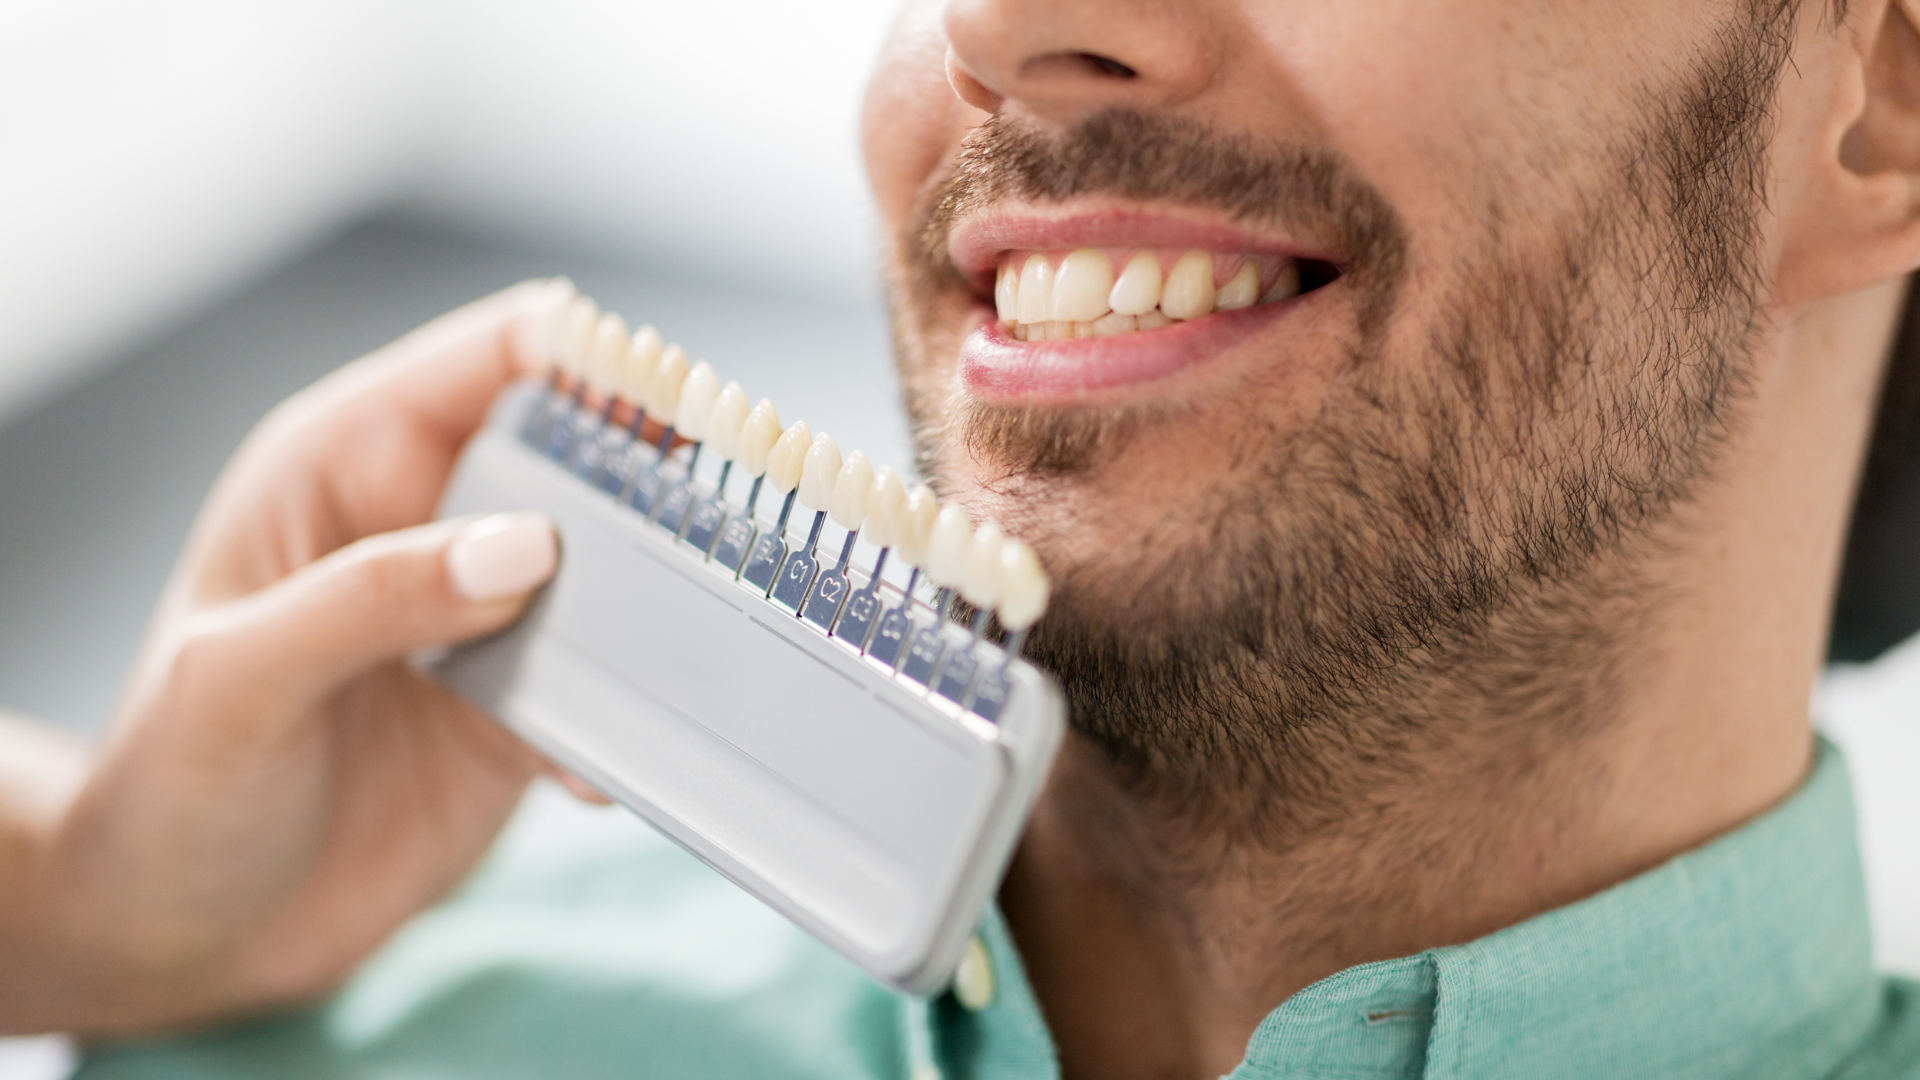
(996, 366)
(976, 244)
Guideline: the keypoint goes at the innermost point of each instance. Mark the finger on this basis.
(374, 601)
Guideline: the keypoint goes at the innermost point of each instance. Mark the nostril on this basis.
(1076, 64)
(1109, 66)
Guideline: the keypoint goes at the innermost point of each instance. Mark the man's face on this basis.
(1407, 498)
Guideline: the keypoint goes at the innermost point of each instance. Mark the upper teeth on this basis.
(1046, 296)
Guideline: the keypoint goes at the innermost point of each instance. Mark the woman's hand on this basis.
(278, 790)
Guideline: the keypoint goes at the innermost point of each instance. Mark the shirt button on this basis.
(973, 979)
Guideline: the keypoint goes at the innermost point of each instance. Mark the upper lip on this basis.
(977, 241)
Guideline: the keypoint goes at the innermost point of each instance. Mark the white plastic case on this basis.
(876, 815)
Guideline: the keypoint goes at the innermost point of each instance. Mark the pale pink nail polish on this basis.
(502, 555)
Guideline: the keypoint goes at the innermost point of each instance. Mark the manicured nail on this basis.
(502, 555)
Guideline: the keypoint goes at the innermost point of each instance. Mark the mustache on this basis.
(1138, 155)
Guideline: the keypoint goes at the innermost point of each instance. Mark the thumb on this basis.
(384, 597)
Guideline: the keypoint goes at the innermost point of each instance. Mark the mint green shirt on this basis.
(607, 952)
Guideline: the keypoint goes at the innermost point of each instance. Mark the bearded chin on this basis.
(1391, 580)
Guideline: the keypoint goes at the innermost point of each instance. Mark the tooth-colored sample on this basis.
(851, 491)
(1023, 586)
(1080, 287)
(886, 509)
(605, 353)
(1286, 284)
(647, 347)
(1006, 293)
(1138, 289)
(818, 471)
(663, 393)
(981, 583)
(1152, 320)
(759, 433)
(539, 331)
(635, 375)
(1188, 293)
(724, 421)
(1112, 323)
(947, 547)
(1241, 290)
(576, 334)
(1035, 290)
(697, 396)
(788, 457)
(916, 525)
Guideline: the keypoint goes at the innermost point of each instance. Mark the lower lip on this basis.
(997, 366)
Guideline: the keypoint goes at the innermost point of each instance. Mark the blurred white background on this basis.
(153, 158)
(206, 204)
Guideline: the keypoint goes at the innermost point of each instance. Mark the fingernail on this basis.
(502, 555)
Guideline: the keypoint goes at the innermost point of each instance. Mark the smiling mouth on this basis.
(1106, 292)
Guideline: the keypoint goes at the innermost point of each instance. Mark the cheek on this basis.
(911, 124)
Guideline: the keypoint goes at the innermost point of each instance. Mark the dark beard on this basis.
(1450, 551)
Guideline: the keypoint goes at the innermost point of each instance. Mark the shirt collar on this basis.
(1750, 951)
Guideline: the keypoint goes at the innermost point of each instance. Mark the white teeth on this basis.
(947, 547)
(1138, 290)
(636, 367)
(1080, 287)
(886, 509)
(1113, 323)
(663, 391)
(539, 331)
(916, 525)
(725, 421)
(1188, 293)
(1241, 290)
(851, 491)
(1285, 285)
(1036, 289)
(818, 471)
(788, 457)
(576, 335)
(647, 347)
(759, 433)
(695, 406)
(1023, 586)
(605, 353)
(981, 583)
(1006, 294)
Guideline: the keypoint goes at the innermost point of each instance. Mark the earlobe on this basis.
(1859, 218)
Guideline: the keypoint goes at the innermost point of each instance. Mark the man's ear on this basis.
(1857, 221)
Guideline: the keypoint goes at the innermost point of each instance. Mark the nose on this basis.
(1063, 59)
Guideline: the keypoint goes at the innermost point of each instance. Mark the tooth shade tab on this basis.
(1080, 287)
(635, 374)
(818, 471)
(1035, 299)
(606, 353)
(1137, 290)
(788, 457)
(539, 330)
(759, 433)
(725, 421)
(886, 509)
(663, 392)
(1241, 290)
(980, 585)
(1023, 587)
(695, 407)
(947, 548)
(1006, 293)
(916, 525)
(852, 491)
(576, 335)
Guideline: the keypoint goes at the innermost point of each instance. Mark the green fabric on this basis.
(606, 952)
